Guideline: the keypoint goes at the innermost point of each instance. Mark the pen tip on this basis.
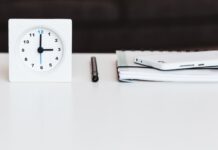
(95, 79)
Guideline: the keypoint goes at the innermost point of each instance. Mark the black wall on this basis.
(107, 25)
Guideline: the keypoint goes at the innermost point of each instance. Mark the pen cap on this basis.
(94, 66)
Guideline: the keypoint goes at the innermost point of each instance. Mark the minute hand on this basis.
(40, 40)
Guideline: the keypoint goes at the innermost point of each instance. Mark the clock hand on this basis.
(40, 58)
(47, 49)
(40, 49)
(40, 40)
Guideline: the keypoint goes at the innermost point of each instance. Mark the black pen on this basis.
(94, 69)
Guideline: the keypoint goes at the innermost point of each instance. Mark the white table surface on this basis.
(107, 115)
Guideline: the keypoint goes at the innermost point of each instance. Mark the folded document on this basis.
(129, 71)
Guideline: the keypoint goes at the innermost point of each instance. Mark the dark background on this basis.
(107, 25)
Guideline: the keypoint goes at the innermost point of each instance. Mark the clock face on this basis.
(40, 49)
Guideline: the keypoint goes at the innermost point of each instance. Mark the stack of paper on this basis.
(129, 71)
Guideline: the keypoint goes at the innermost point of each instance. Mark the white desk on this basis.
(107, 115)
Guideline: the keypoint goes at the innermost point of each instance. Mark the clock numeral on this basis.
(26, 41)
(41, 67)
(32, 65)
(32, 34)
(59, 49)
(49, 33)
(40, 31)
(22, 49)
(56, 58)
(56, 40)
(25, 59)
(50, 65)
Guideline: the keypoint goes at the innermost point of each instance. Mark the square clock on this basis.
(40, 50)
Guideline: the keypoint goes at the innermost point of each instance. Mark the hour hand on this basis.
(47, 49)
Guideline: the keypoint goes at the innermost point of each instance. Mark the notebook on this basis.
(129, 71)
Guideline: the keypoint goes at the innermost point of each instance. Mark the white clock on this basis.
(40, 50)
